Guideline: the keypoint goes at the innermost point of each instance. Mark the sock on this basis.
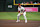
(18, 17)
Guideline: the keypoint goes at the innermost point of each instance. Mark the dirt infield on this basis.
(12, 23)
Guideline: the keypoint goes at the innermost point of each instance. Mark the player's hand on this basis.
(21, 13)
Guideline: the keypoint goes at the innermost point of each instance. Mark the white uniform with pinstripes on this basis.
(24, 14)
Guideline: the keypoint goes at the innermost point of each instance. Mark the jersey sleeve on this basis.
(23, 8)
(18, 10)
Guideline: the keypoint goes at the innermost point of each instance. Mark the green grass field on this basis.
(13, 16)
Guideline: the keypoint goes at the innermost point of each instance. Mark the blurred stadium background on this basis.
(4, 5)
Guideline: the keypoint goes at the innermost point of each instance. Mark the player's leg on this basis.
(18, 18)
(24, 14)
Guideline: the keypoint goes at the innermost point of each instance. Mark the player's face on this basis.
(20, 6)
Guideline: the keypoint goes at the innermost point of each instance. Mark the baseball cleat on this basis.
(18, 21)
(25, 21)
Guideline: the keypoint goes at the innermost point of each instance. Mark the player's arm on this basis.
(24, 10)
(18, 10)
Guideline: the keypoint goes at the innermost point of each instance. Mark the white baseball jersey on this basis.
(22, 8)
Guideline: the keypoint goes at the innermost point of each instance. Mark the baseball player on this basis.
(21, 11)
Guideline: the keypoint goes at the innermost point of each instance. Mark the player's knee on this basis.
(17, 15)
